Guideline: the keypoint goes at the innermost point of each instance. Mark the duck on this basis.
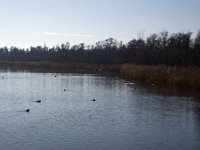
(27, 110)
(38, 101)
(93, 100)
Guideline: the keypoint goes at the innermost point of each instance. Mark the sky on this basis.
(25, 23)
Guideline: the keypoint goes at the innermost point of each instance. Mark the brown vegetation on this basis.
(163, 75)
(156, 74)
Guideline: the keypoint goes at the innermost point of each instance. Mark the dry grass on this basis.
(172, 76)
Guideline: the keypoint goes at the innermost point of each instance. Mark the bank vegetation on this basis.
(161, 58)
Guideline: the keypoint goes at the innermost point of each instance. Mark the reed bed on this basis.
(163, 75)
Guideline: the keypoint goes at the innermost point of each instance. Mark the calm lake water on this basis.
(125, 116)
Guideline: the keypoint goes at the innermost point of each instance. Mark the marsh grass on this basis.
(163, 75)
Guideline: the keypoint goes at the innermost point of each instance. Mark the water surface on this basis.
(124, 116)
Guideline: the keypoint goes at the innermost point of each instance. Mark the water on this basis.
(123, 117)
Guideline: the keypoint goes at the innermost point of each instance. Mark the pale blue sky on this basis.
(34, 22)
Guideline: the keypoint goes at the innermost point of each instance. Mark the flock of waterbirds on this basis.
(39, 101)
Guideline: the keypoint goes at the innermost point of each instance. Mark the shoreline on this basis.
(182, 77)
(62, 67)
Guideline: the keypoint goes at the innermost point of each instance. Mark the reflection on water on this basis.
(124, 116)
(172, 91)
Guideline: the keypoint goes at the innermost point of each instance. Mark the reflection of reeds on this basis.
(172, 76)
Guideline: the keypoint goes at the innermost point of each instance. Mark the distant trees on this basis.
(176, 49)
(196, 50)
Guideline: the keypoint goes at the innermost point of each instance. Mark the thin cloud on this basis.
(68, 34)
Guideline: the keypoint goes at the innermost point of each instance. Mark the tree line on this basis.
(178, 49)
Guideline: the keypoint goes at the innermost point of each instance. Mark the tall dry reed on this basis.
(172, 76)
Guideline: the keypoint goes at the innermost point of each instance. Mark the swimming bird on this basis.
(27, 110)
(38, 101)
(93, 100)
(64, 89)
